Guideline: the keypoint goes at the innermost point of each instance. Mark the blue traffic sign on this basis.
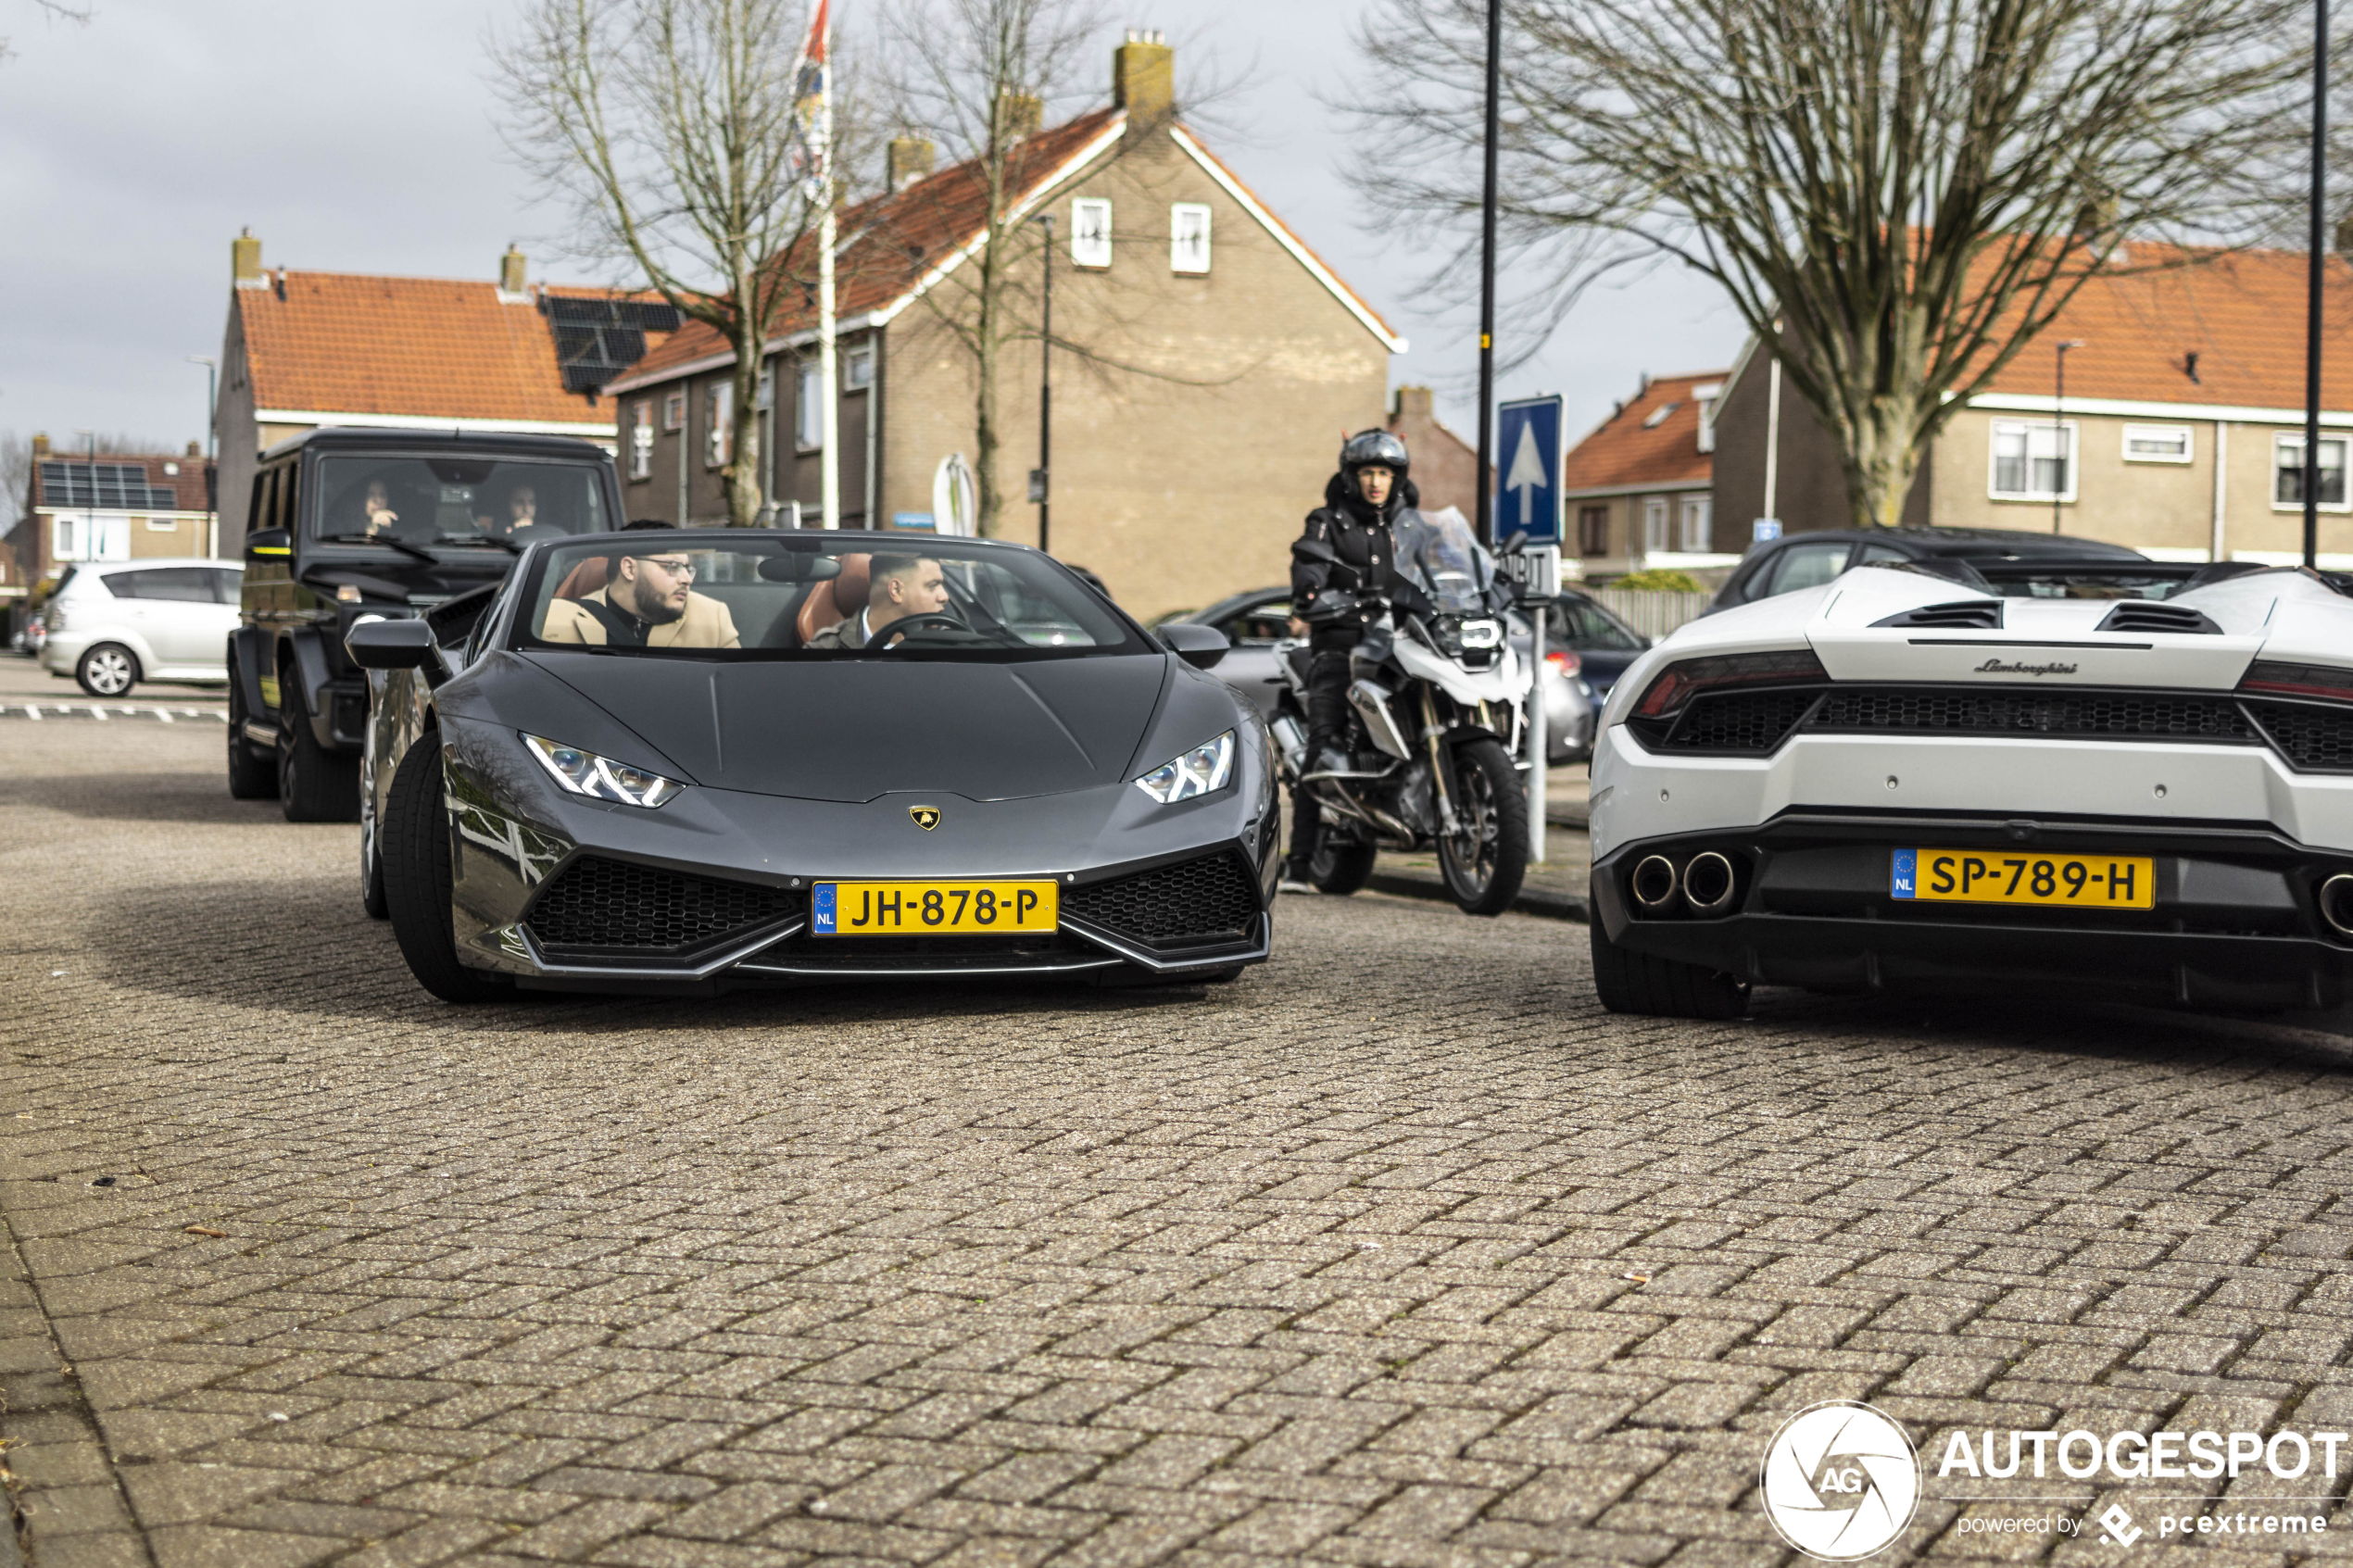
(1530, 447)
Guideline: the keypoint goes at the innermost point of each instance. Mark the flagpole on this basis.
(829, 404)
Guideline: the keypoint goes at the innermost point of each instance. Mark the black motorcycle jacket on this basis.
(1338, 599)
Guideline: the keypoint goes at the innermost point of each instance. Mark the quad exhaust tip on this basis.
(1654, 882)
(2336, 903)
(1708, 882)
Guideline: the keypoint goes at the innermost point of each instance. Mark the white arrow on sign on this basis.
(1527, 473)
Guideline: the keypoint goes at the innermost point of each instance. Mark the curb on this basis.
(1548, 906)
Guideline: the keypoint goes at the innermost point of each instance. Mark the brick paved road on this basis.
(1398, 1252)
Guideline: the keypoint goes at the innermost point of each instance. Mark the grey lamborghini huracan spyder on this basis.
(690, 760)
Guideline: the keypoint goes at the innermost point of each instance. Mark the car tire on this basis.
(107, 670)
(252, 776)
(1341, 869)
(1655, 987)
(314, 784)
(416, 882)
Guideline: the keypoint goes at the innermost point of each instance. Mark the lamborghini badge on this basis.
(926, 817)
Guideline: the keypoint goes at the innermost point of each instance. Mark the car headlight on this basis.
(600, 778)
(1203, 769)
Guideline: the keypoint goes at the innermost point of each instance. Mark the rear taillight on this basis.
(2299, 680)
(1564, 663)
(1686, 679)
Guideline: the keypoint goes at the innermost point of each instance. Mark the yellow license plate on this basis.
(1980, 876)
(932, 908)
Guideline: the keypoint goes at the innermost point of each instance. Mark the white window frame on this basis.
(162, 524)
(807, 415)
(673, 408)
(1090, 232)
(1655, 539)
(2073, 441)
(641, 440)
(719, 408)
(858, 368)
(1189, 237)
(2341, 440)
(1700, 540)
(89, 536)
(2187, 435)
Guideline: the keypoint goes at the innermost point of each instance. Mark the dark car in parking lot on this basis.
(2002, 560)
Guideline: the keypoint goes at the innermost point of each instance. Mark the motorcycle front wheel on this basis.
(1340, 869)
(1485, 859)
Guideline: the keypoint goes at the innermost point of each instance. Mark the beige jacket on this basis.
(705, 624)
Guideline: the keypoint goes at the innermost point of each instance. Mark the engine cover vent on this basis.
(1961, 615)
(2141, 615)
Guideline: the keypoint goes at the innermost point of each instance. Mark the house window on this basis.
(719, 423)
(641, 440)
(1655, 525)
(674, 410)
(858, 369)
(1592, 531)
(2034, 460)
(808, 409)
(2288, 472)
(163, 525)
(1699, 525)
(105, 537)
(1090, 232)
(2157, 443)
(1189, 237)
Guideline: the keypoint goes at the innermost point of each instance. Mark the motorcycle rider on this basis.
(1361, 503)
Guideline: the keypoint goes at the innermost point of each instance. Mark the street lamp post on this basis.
(211, 451)
(1041, 478)
(2315, 263)
(1485, 521)
(2065, 461)
(90, 517)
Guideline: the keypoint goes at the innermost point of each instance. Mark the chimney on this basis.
(1143, 77)
(1413, 402)
(245, 261)
(196, 449)
(909, 161)
(1019, 115)
(2345, 236)
(510, 273)
(40, 443)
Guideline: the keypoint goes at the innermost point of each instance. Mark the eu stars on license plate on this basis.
(1985, 876)
(932, 908)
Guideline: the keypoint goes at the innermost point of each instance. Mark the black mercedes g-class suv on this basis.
(349, 524)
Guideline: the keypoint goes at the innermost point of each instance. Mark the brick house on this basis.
(1639, 491)
(1445, 466)
(112, 505)
(1226, 361)
(2181, 433)
(305, 349)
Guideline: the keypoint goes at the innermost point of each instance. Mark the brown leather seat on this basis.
(583, 579)
(836, 599)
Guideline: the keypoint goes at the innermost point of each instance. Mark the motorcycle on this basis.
(1437, 708)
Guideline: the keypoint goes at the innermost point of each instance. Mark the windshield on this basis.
(789, 594)
(1438, 551)
(456, 500)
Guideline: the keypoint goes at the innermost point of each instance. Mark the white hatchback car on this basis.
(113, 623)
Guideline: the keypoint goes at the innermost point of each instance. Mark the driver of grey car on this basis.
(647, 602)
(901, 587)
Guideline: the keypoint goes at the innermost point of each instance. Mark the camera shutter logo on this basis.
(1840, 1481)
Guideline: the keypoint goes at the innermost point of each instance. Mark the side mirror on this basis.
(270, 542)
(389, 644)
(1200, 647)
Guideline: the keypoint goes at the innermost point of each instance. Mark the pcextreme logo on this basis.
(1840, 1481)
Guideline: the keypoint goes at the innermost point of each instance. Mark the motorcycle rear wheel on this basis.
(1485, 861)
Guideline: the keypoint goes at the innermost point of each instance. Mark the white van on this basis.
(114, 623)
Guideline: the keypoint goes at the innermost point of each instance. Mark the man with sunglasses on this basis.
(649, 602)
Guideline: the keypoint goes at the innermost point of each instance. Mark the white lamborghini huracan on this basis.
(1893, 780)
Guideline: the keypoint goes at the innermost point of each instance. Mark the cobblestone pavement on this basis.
(1398, 1252)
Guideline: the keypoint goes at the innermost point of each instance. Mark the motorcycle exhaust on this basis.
(1654, 883)
(2336, 903)
(1291, 739)
(1708, 883)
(1371, 703)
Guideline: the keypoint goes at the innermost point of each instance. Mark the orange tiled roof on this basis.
(2242, 314)
(1626, 450)
(345, 343)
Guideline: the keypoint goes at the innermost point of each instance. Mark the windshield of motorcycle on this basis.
(1439, 551)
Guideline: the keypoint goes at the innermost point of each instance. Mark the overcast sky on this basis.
(359, 136)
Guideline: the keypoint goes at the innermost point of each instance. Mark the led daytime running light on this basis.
(1202, 771)
(1681, 681)
(600, 778)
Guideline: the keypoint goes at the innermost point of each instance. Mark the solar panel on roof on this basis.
(598, 339)
(104, 487)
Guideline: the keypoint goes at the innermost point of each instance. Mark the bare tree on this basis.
(667, 127)
(55, 10)
(1896, 194)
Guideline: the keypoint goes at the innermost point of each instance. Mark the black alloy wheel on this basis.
(1484, 857)
(1339, 868)
(252, 776)
(372, 854)
(107, 670)
(314, 784)
(416, 880)
(1637, 983)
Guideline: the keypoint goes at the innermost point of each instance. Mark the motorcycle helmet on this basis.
(1367, 448)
